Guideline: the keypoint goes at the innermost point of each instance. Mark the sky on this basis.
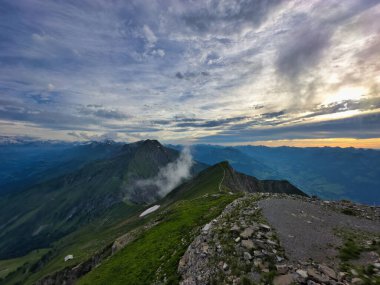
(302, 73)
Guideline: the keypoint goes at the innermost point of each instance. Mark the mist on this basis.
(172, 175)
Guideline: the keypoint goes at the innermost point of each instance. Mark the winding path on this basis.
(221, 181)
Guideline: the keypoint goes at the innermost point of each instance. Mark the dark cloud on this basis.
(191, 74)
(44, 118)
(227, 16)
(346, 105)
(102, 112)
(273, 114)
(211, 123)
(362, 126)
(303, 50)
(179, 75)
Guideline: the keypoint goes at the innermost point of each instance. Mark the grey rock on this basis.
(328, 271)
(357, 281)
(282, 269)
(265, 227)
(316, 276)
(247, 256)
(302, 273)
(247, 233)
(225, 266)
(248, 244)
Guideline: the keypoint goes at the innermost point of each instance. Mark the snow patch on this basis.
(150, 210)
(68, 257)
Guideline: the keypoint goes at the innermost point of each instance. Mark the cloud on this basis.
(149, 36)
(302, 51)
(171, 175)
(361, 126)
(224, 16)
(132, 68)
(113, 136)
(102, 112)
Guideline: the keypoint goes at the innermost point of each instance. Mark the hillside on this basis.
(35, 217)
(181, 212)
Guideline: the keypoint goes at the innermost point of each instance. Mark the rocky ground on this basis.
(282, 239)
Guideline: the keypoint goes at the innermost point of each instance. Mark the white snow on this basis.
(150, 210)
(68, 257)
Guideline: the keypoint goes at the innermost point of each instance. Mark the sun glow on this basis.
(347, 93)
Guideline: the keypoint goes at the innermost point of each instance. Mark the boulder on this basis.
(328, 271)
(302, 273)
(248, 244)
(247, 233)
(316, 276)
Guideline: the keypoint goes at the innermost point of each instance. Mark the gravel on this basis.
(311, 228)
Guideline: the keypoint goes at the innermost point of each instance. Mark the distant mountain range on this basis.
(330, 173)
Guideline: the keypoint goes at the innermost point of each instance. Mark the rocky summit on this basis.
(254, 241)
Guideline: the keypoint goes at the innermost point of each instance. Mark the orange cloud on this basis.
(331, 142)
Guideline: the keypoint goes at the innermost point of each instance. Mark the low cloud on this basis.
(172, 175)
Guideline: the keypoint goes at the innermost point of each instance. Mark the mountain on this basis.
(37, 216)
(26, 162)
(330, 173)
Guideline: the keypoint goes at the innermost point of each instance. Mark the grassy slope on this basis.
(83, 243)
(156, 253)
(10, 265)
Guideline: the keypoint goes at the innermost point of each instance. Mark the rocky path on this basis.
(282, 240)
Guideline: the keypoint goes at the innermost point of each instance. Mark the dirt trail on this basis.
(221, 181)
(307, 230)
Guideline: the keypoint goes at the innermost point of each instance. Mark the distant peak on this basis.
(151, 143)
(225, 165)
(148, 141)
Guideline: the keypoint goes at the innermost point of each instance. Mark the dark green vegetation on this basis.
(330, 173)
(354, 252)
(36, 217)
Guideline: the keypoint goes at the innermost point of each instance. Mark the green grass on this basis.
(10, 265)
(155, 254)
(181, 213)
(354, 244)
(350, 250)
